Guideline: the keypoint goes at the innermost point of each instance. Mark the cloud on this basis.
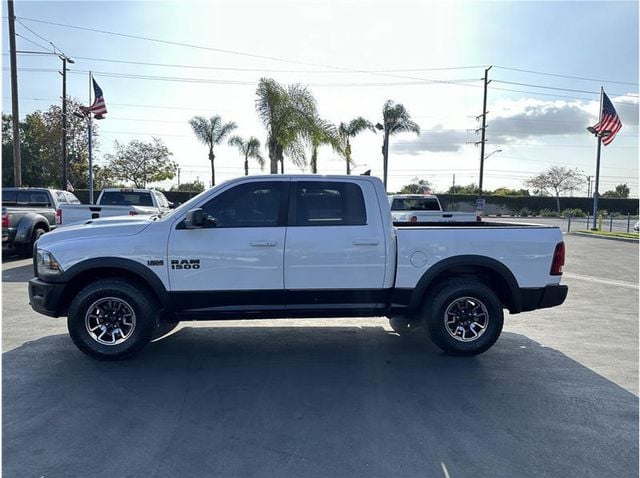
(522, 120)
(526, 119)
(628, 108)
(436, 139)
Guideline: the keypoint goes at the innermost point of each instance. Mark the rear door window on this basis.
(61, 197)
(71, 198)
(324, 203)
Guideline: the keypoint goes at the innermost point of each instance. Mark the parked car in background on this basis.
(116, 202)
(424, 208)
(27, 213)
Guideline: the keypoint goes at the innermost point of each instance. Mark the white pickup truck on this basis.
(115, 202)
(292, 246)
(424, 208)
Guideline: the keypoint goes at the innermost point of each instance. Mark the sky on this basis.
(548, 62)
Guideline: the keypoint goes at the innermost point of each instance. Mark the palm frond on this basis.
(295, 151)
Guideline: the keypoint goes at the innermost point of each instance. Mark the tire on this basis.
(26, 250)
(464, 318)
(162, 329)
(402, 326)
(112, 319)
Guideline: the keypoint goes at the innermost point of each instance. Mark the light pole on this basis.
(65, 59)
(482, 170)
(15, 116)
(385, 152)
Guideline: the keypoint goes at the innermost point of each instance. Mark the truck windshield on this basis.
(120, 198)
(415, 204)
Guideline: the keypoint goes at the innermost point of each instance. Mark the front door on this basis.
(235, 262)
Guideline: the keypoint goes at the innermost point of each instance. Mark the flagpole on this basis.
(595, 190)
(90, 157)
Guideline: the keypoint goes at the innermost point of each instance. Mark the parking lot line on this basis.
(619, 283)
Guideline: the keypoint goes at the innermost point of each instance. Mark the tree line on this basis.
(289, 113)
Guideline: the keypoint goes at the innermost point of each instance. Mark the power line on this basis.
(566, 76)
(33, 43)
(225, 51)
(265, 70)
(552, 87)
(107, 74)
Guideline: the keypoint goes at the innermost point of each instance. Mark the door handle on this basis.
(366, 242)
(263, 243)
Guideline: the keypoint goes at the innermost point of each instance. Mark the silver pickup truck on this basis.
(27, 213)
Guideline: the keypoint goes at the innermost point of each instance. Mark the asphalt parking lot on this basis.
(557, 395)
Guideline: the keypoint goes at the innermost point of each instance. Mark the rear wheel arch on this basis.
(489, 271)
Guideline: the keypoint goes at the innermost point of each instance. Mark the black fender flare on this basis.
(426, 281)
(129, 265)
(26, 224)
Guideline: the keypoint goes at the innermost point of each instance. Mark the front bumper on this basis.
(543, 297)
(46, 297)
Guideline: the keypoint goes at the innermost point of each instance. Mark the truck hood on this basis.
(108, 227)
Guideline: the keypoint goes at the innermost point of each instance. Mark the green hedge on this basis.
(466, 202)
(536, 203)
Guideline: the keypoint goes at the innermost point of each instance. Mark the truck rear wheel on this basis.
(26, 250)
(464, 318)
(112, 319)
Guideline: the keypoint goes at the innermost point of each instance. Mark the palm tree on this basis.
(396, 120)
(351, 130)
(288, 114)
(250, 149)
(211, 132)
(323, 132)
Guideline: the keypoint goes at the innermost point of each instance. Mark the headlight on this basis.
(47, 264)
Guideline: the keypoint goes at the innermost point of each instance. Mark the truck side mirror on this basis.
(195, 219)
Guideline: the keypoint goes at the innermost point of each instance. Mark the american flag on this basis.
(98, 107)
(609, 121)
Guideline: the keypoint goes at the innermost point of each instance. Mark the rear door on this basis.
(235, 263)
(335, 252)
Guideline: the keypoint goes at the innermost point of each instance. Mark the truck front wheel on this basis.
(111, 319)
(464, 318)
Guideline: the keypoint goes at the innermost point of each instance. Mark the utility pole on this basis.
(17, 163)
(588, 186)
(178, 178)
(65, 178)
(483, 129)
(453, 187)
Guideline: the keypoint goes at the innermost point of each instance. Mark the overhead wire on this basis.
(565, 76)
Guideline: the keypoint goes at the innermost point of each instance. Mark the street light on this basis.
(482, 169)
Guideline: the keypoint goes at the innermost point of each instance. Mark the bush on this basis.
(548, 213)
(573, 213)
(524, 212)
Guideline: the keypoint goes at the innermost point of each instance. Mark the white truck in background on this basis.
(424, 208)
(115, 202)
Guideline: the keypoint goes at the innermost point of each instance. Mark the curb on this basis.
(610, 238)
